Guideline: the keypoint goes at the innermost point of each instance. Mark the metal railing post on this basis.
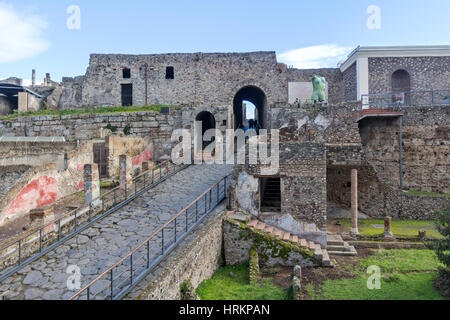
(40, 240)
(112, 286)
(131, 269)
(20, 251)
(162, 241)
(148, 254)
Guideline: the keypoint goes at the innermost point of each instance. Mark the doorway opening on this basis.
(250, 104)
(208, 122)
(270, 194)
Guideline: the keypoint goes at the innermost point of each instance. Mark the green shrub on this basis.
(442, 249)
(127, 130)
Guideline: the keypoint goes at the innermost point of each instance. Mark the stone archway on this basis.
(208, 122)
(256, 96)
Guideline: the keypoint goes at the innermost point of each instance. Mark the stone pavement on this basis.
(107, 241)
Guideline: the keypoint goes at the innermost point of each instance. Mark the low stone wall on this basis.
(195, 263)
(34, 153)
(87, 126)
(377, 199)
(43, 185)
(239, 239)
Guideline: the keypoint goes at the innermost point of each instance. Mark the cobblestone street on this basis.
(107, 241)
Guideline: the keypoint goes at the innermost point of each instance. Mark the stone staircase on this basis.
(319, 253)
(336, 246)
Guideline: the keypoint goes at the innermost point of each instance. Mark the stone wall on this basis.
(427, 73)
(34, 153)
(6, 106)
(200, 79)
(333, 124)
(43, 185)
(194, 263)
(302, 173)
(332, 76)
(426, 148)
(239, 239)
(349, 83)
(87, 126)
(377, 200)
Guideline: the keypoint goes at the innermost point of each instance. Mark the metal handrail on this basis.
(150, 265)
(76, 214)
(429, 96)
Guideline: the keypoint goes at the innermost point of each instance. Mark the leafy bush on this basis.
(442, 249)
(127, 130)
(112, 128)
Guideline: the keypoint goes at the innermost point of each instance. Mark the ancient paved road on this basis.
(100, 246)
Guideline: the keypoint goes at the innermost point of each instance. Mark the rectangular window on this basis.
(126, 73)
(170, 73)
(127, 95)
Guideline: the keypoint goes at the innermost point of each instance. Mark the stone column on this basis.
(91, 184)
(145, 166)
(125, 171)
(354, 201)
(388, 235)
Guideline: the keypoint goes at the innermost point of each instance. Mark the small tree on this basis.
(442, 249)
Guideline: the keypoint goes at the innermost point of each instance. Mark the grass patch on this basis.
(403, 260)
(427, 194)
(223, 287)
(405, 275)
(400, 228)
(411, 286)
(94, 110)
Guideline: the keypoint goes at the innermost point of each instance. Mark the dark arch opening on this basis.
(401, 86)
(255, 96)
(208, 122)
(401, 81)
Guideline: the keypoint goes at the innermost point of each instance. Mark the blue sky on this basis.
(33, 34)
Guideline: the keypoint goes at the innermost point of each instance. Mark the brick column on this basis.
(91, 183)
(354, 201)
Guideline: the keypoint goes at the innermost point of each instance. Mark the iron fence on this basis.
(410, 98)
(118, 280)
(37, 241)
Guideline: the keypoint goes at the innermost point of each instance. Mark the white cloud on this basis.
(21, 34)
(322, 56)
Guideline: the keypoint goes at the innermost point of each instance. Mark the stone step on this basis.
(338, 248)
(326, 262)
(295, 239)
(269, 229)
(318, 254)
(261, 226)
(335, 243)
(303, 243)
(351, 251)
(278, 233)
(312, 245)
(287, 236)
(253, 223)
